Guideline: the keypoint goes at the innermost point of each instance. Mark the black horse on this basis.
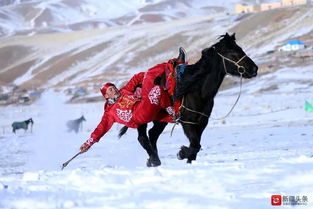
(22, 124)
(197, 88)
(74, 125)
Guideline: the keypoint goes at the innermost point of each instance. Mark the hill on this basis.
(87, 58)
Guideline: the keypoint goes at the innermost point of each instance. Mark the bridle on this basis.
(241, 70)
(235, 63)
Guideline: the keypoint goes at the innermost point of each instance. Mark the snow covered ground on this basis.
(263, 148)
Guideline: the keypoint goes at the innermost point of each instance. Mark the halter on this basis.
(235, 63)
(241, 72)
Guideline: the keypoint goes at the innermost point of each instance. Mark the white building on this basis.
(292, 45)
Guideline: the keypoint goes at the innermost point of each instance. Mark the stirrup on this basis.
(182, 55)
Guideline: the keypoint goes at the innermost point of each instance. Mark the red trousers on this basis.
(153, 97)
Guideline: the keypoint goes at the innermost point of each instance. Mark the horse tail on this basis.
(122, 131)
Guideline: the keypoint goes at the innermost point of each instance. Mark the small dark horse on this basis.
(74, 125)
(22, 124)
(199, 85)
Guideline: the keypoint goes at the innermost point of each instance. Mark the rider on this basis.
(133, 105)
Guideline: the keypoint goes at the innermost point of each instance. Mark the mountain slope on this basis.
(91, 57)
(42, 16)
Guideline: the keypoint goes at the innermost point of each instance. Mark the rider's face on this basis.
(112, 92)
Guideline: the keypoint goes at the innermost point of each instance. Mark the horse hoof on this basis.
(179, 157)
(182, 153)
(189, 161)
(153, 162)
(148, 163)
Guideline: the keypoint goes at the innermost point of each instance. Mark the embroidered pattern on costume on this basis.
(170, 110)
(154, 95)
(125, 102)
(124, 115)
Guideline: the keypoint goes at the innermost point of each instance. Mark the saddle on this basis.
(173, 75)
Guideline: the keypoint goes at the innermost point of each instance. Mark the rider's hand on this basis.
(85, 147)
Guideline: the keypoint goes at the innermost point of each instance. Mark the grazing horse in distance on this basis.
(22, 124)
(197, 87)
(74, 125)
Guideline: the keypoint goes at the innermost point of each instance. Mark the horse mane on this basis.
(232, 37)
(193, 74)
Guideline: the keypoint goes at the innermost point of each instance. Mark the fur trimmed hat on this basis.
(104, 88)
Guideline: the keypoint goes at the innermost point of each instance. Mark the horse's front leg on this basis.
(193, 133)
(143, 139)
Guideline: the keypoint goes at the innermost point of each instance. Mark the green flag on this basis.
(308, 107)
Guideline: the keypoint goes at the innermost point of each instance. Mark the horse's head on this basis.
(83, 118)
(30, 120)
(234, 59)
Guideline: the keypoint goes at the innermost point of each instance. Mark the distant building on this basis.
(80, 92)
(23, 99)
(293, 2)
(4, 98)
(243, 8)
(35, 95)
(292, 45)
(269, 6)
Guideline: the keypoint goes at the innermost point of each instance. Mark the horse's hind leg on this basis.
(155, 132)
(145, 143)
(75, 127)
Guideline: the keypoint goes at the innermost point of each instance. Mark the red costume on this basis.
(134, 106)
(131, 111)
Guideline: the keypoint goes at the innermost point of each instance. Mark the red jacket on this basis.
(131, 111)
